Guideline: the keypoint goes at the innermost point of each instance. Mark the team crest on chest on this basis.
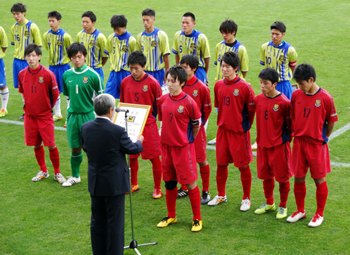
(275, 107)
(181, 109)
(124, 48)
(318, 103)
(192, 46)
(153, 43)
(236, 92)
(92, 42)
(145, 88)
(195, 93)
(41, 79)
(282, 58)
(85, 79)
(26, 33)
(59, 43)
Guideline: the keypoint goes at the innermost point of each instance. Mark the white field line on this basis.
(21, 123)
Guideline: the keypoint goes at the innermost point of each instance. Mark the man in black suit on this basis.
(106, 145)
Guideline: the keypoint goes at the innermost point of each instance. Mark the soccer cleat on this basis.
(197, 225)
(65, 124)
(205, 198)
(264, 208)
(282, 213)
(21, 117)
(157, 193)
(59, 178)
(245, 205)
(3, 113)
(296, 216)
(182, 193)
(218, 200)
(57, 118)
(254, 146)
(71, 181)
(40, 175)
(133, 188)
(212, 142)
(166, 221)
(316, 221)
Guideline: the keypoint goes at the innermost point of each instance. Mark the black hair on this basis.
(231, 58)
(178, 73)
(118, 21)
(269, 74)
(137, 57)
(54, 14)
(18, 7)
(32, 47)
(74, 48)
(148, 12)
(304, 72)
(279, 25)
(190, 14)
(191, 60)
(90, 15)
(228, 26)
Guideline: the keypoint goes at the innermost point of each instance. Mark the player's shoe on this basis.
(166, 221)
(296, 216)
(65, 124)
(71, 181)
(316, 221)
(197, 225)
(59, 178)
(218, 200)
(245, 205)
(212, 142)
(133, 188)
(254, 146)
(3, 113)
(157, 193)
(264, 208)
(21, 117)
(57, 118)
(182, 193)
(40, 175)
(282, 213)
(205, 198)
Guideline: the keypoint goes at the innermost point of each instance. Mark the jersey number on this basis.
(268, 60)
(266, 115)
(76, 89)
(306, 112)
(172, 115)
(33, 88)
(17, 38)
(227, 101)
(137, 97)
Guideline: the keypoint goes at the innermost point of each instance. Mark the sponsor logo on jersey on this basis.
(41, 79)
(153, 43)
(85, 79)
(236, 92)
(131, 119)
(92, 42)
(145, 88)
(282, 58)
(275, 107)
(26, 33)
(193, 46)
(59, 43)
(318, 103)
(124, 47)
(181, 109)
(195, 93)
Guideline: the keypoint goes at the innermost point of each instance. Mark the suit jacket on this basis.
(106, 145)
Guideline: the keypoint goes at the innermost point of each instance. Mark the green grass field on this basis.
(45, 218)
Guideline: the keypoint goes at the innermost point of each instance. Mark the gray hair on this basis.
(102, 104)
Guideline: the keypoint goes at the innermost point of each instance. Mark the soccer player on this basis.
(181, 119)
(200, 93)
(190, 41)
(273, 126)
(80, 83)
(234, 99)
(154, 44)
(57, 41)
(39, 89)
(119, 46)
(4, 91)
(314, 115)
(142, 88)
(94, 42)
(23, 32)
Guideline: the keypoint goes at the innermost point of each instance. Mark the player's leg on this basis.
(111, 85)
(246, 180)
(134, 168)
(4, 91)
(157, 177)
(55, 160)
(194, 195)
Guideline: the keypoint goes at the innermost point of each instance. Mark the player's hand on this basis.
(140, 138)
(207, 81)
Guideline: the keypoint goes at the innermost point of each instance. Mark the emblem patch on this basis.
(153, 43)
(131, 119)
(92, 42)
(85, 79)
(193, 46)
(41, 79)
(145, 88)
(318, 103)
(275, 107)
(195, 93)
(59, 43)
(124, 48)
(181, 109)
(236, 92)
(282, 58)
(26, 33)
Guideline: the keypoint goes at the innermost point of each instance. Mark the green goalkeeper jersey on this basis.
(80, 84)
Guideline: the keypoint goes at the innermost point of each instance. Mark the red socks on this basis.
(184, 187)
(221, 178)
(269, 186)
(284, 191)
(55, 159)
(170, 197)
(157, 172)
(321, 197)
(134, 166)
(195, 199)
(40, 158)
(205, 174)
(246, 179)
(300, 194)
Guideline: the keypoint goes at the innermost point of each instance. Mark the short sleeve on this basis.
(262, 54)
(36, 34)
(292, 55)
(175, 48)
(102, 43)
(67, 40)
(138, 45)
(205, 49)
(45, 41)
(132, 44)
(243, 55)
(164, 43)
(250, 98)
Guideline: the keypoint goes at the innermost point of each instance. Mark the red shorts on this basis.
(275, 162)
(200, 144)
(234, 148)
(151, 144)
(179, 163)
(38, 130)
(307, 155)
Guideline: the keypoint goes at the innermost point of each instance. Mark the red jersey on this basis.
(271, 120)
(39, 89)
(311, 113)
(235, 100)
(145, 91)
(176, 112)
(196, 89)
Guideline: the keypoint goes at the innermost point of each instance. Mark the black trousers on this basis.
(107, 224)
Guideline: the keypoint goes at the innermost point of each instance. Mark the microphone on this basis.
(121, 110)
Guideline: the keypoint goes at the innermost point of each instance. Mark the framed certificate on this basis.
(137, 118)
(295, 86)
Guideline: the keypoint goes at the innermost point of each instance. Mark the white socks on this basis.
(57, 107)
(4, 98)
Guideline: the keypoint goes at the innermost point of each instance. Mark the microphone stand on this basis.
(133, 244)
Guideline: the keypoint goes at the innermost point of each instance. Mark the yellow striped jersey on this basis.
(119, 48)
(221, 48)
(24, 34)
(154, 46)
(196, 43)
(57, 44)
(95, 45)
(280, 58)
(3, 42)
